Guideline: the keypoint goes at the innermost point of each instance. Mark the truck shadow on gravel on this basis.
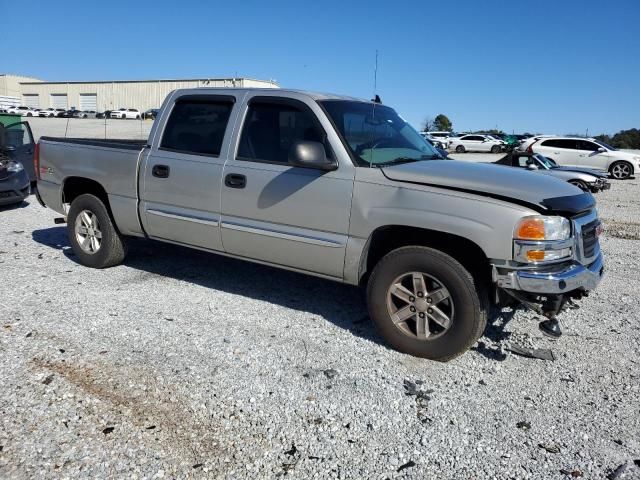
(341, 304)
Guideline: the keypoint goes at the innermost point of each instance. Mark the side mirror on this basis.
(531, 166)
(601, 149)
(307, 154)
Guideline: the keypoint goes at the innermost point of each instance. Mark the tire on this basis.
(496, 149)
(621, 170)
(460, 149)
(137, 117)
(111, 250)
(580, 184)
(465, 306)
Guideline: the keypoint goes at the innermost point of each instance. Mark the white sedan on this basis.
(126, 113)
(48, 112)
(22, 110)
(476, 143)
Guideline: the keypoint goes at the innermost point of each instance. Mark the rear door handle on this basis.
(235, 180)
(160, 171)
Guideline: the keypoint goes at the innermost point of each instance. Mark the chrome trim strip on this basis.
(286, 236)
(186, 218)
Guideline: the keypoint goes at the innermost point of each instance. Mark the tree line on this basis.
(623, 139)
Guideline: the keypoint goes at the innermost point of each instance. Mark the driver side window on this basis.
(272, 128)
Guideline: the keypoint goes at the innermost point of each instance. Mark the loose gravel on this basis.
(182, 364)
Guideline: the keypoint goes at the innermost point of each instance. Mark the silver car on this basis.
(586, 179)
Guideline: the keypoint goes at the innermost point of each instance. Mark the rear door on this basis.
(181, 174)
(273, 212)
(561, 150)
(19, 139)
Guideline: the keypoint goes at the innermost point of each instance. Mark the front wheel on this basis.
(580, 184)
(425, 303)
(460, 149)
(621, 170)
(496, 149)
(93, 236)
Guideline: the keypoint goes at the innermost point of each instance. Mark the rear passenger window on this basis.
(197, 127)
(271, 129)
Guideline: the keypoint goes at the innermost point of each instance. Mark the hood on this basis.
(588, 171)
(539, 192)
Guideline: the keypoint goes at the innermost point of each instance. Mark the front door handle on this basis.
(235, 180)
(160, 171)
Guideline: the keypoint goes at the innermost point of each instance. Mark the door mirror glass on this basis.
(308, 154)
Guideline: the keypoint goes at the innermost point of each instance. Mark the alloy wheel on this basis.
(88, 234)
(420, 306)
(621, 171)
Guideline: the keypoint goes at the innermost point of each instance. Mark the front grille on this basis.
(590, 238)
(7, 194)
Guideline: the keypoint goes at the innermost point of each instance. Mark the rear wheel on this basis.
(621, 170)
(460, 149)
(92, 234)
(425, 303)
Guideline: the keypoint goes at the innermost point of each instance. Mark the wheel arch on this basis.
(387, 238)
(73, 187)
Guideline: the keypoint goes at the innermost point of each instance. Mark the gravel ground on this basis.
(182, 364)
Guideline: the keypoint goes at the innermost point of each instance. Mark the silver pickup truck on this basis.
(340, 188)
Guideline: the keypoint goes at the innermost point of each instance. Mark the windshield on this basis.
(547, 162)
(608, 147)
(376, 135)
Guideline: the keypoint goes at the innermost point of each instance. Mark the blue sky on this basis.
(545, 66)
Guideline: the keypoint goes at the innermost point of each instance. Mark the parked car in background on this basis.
(438, 147)
(584, 178)
(21, 110)
(125, 113)
(444, 138)
(67, 113)
(105, 114)
(16, 162)
(340, 188)
(476, 143)
(49, 112)
(84, 114)
(150, 114)
(587, 152)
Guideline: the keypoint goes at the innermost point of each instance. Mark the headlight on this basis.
(15, 167)
(539, 227)
(542, 239)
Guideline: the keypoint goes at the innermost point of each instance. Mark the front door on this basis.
(181, 174)
(272, 212)
(591, 157)
(19, 139)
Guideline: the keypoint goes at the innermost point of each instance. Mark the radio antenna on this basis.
(375, 76)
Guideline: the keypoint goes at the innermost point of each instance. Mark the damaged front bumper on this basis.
(553, 279)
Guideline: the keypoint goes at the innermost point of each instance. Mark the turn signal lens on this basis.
(531, 229)
(535, 255)
(541, 227)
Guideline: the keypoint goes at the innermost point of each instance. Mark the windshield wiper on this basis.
(399, 160)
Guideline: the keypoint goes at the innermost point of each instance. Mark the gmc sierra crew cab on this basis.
(340, 188)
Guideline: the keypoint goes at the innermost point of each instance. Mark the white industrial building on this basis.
(108, 95)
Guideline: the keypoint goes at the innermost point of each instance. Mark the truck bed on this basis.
(101, 142)
(112, 163)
